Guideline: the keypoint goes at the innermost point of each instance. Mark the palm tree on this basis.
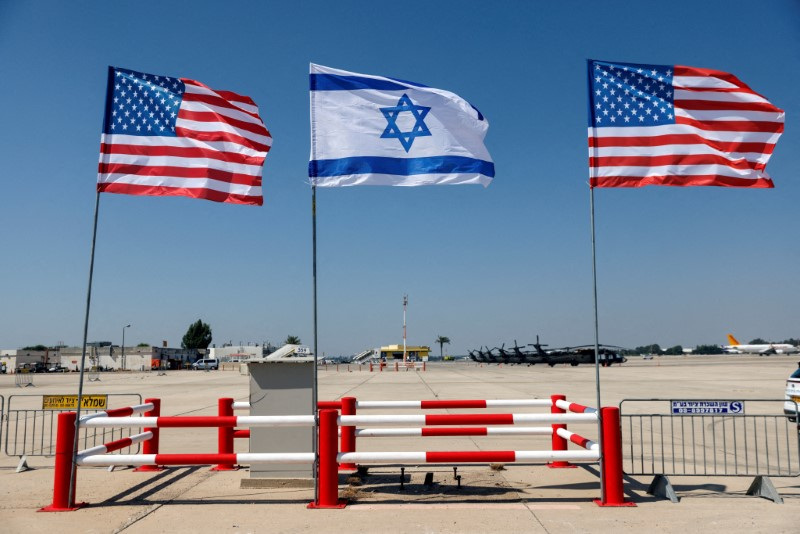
(292, 340)
(442, 340)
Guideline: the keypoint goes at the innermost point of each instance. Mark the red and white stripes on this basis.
(453, 431)
(197, 459)
(466, 456)
(329, 453)
(706, 128)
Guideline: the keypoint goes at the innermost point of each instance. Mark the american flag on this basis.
(177, 137)
(676, 125)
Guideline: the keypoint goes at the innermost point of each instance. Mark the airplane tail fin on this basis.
(732, 340)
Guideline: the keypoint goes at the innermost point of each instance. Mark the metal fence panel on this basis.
(760, 441)
(31, 431)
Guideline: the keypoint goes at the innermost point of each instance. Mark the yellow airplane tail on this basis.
(732, 340)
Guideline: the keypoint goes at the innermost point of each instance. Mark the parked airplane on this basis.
(764, 349)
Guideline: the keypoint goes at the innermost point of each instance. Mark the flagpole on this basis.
(71, 495)
(314, 390)
(596, 348)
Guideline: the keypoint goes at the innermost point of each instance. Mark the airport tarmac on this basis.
(518, 498)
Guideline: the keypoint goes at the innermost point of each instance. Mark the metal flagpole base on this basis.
(226, 468)
(599, 502)
(341, 504)
(52, 508)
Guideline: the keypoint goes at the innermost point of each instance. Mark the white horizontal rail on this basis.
(421, 457)
(490, 431)
(244, 458)
(247, 420)
(136, 408)
(493, 403)
(490, 403)
(354, 420)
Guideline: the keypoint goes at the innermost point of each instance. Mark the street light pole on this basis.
(405, 303)
(123, 345)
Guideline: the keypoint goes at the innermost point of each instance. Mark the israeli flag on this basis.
(372, 130)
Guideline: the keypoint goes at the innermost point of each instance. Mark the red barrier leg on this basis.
(348, 441)
(328, 475)
(559, 443)
(151, 445)
(612, 460)
(65, 441)
(225, 435)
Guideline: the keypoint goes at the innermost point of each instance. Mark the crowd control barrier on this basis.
(30, 426)
(330, 455)
(691, 437)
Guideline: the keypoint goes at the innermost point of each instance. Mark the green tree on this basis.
(292, 340)
(442, 341)
(143, 345)
(35, 347)
(758, 341)
(677, 350)
(198, 336)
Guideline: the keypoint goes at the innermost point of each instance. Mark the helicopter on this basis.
(574, 356)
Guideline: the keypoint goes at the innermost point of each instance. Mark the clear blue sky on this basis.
(481, 266)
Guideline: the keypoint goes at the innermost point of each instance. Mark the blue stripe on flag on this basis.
(399, 166)
(334, 82)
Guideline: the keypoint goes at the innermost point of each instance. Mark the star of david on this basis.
(392, 131)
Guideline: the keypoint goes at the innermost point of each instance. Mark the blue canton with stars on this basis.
(392, 131)
(143, 104)
(627, 94)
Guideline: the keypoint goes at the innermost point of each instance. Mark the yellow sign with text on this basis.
(70, 402)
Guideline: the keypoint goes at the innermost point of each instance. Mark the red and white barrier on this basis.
(431, 457)
(115, 445)
(435, 404)
(197, 459)
(465, 419)
(452, 431)
(330, 457)
(200, 421)
(572, 406)
(120, 412)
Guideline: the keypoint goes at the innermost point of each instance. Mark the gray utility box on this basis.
(281, 387)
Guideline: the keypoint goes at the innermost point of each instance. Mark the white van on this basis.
(206, 364)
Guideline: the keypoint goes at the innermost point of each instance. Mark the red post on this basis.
(151, 445)
(65, 441)
(348, 440)
(328, 474)
(225, 434)
(559, 443)
(423, 365)
(611, 461)
(396, 366)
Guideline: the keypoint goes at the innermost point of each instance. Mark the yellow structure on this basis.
(414, 353)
